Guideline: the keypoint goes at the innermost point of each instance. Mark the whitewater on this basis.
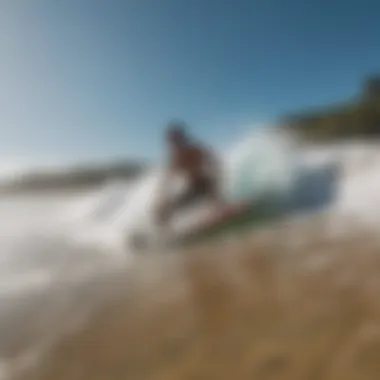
(100, 218)
(263, 162)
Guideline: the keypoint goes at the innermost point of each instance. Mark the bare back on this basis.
(189, 161)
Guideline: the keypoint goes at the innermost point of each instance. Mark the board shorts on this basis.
(197, 191)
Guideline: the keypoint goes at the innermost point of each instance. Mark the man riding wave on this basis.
(196, 163)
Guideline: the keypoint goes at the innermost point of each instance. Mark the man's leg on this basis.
(168, 207)
(212, 191)
(205, 188)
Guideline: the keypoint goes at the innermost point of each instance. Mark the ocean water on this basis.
(48, 230)
(56, 247)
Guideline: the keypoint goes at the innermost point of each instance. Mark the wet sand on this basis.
(294, 301)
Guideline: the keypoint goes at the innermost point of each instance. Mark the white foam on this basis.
(13, 284)
(358, 190)
(104, 216)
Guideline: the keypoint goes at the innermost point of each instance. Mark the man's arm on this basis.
(215, 171)
(163, 189)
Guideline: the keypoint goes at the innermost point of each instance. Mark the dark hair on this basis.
(176, 128)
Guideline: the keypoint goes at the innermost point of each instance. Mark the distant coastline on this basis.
(72, 178)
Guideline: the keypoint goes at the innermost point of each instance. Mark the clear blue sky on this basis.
(91, 78)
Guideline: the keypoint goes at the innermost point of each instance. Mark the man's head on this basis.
(176, 135)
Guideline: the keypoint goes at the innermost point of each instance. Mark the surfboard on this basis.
(202, 222)
(234, 218)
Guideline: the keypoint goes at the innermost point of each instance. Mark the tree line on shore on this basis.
(356, 118)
